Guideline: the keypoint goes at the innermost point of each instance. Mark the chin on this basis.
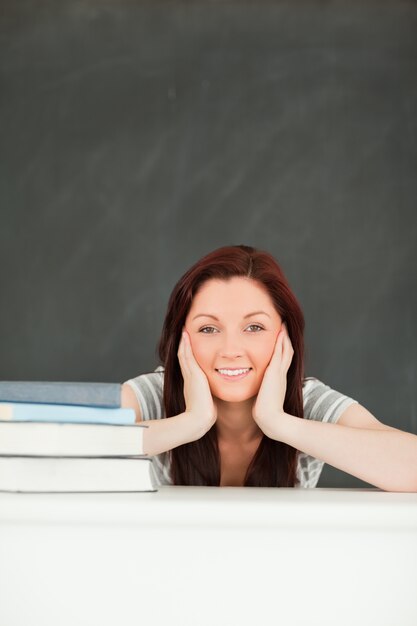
(232, 395)
(232, 399)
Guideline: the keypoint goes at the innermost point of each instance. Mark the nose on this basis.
(230, 348)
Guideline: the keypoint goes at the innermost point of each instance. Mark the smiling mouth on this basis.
(232, 377)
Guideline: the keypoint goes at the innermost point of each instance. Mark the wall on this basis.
(138, 136)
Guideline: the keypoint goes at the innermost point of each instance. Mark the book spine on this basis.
(27, 412)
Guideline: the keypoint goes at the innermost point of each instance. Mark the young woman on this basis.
(230, 405)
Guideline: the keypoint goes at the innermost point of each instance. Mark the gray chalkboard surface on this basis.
(137, 136)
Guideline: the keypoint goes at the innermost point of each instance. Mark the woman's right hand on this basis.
(199, 402)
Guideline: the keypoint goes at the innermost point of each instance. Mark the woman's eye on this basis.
(256, 326)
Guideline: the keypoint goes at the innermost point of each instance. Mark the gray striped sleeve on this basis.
(323, 404)
(148, 389)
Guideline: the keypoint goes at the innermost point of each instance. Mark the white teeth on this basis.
(234, 372)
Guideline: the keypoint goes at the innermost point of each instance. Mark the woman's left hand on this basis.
(269, 404)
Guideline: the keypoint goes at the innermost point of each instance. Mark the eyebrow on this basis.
(244, 317)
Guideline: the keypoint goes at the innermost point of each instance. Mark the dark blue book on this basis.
(105, 395)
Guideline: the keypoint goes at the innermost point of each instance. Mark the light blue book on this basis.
(26, 412)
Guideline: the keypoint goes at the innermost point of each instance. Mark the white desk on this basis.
(192, 556)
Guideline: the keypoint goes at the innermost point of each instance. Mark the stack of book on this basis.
(70, 437)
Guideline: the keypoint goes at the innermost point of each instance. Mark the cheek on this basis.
(264, 354)
(201, 352)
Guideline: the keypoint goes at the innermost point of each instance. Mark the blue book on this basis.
(27, 412)
(87, 394)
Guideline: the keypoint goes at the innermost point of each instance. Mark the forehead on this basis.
(235, 293)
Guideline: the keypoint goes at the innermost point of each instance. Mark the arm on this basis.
(359, 444)
(163, 434)
(382, 456)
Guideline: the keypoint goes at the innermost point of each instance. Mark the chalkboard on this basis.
(138, 136)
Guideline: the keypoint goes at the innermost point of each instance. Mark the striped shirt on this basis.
(320, 402)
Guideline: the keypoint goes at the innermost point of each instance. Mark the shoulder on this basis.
(146, 390)
(323, 403)
(129, 401)
(149, 379)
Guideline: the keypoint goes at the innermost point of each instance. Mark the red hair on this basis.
(198, 463)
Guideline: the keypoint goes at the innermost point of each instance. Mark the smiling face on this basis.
(237, 339)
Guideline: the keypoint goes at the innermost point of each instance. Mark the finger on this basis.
(189, 354)
(181, 346)
(288, 351)
(277, 351)
(188, 351)
(280, 340)
(284, 331)
(281, 343)
(287, 339)
(182, 356)
(186, 342)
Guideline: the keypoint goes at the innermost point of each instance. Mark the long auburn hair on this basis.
(198, 463)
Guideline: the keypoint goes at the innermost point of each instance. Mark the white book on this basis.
(65, 439)
(50, 474)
